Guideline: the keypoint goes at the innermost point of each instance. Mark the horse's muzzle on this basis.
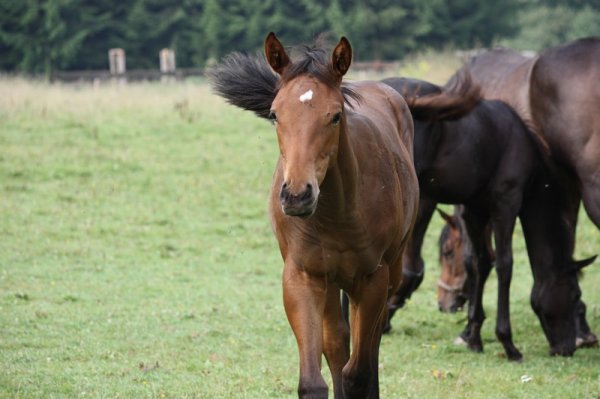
(302, 204)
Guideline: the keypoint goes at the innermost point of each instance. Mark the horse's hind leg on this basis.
(413, 267)
(336, 339)
(591, 198)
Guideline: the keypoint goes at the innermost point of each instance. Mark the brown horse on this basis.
(342, 205)
(456, 257)
(558, 92)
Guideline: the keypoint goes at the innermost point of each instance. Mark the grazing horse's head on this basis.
(308, 114)
(555, 300)
(455, 256)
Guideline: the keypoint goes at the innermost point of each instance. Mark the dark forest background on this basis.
(42, 36)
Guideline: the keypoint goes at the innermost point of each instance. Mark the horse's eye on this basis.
(272, 116)
(336, 118)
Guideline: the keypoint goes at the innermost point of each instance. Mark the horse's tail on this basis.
(457, 99)
(246, 81)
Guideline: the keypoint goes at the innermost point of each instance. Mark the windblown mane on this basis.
(456, 99)
(493, 69)
(248, 82)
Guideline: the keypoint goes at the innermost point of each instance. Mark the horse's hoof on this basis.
(476, 346)
(460, 341)
(515, 357)
(587, 341)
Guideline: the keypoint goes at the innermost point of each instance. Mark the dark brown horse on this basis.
(558, 92)
(479, 153)
(342, 204)
(456, 257)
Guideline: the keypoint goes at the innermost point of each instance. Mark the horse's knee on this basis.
(504, 334)
(355, 382)
(312, 390)
(504, 265)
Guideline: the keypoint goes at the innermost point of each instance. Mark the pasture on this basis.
(137, 261)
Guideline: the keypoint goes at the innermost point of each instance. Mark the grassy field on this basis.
(137, 261)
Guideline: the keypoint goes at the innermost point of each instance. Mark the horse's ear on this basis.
(275, 53)
(580, 264)
(342, 57)
(451, 220)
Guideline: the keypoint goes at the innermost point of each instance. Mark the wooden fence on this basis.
(134, 75)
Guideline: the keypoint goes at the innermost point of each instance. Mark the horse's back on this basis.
(386, 108)
(503, 74)
(565, 99)
(412, 87)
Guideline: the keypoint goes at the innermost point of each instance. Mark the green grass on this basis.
(137, 261)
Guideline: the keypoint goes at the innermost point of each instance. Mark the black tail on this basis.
(246, 81)
(456, 100)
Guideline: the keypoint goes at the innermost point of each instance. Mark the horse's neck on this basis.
(338, 198)
(548, 229)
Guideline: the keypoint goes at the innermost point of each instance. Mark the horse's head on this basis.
(308, 113)
(455, 256)
(554, 300)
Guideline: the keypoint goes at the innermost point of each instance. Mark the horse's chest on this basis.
(340, 262)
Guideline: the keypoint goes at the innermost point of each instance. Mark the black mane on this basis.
(248, 82)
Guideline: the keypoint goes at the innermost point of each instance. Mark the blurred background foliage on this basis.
(39, 36)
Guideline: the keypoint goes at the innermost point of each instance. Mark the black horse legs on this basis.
(413, 266)
(503, 224)
(475, 224)
(585, 337)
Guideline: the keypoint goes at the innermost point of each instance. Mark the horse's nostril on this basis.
(284, 194)
(307, 193)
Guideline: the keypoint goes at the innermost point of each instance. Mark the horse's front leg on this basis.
(503, 224)
(475, 224)
(368, 302)
(585, 337)
(336, 339)
(304, 298)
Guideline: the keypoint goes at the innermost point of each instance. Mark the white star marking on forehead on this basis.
(306, 96)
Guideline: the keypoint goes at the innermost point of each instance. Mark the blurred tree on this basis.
(568, 23)
(572, 4)
(384, 29)
(467, 23)
(42, 35)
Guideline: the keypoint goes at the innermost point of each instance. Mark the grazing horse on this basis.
(342, 204)
(558, 92)
(481, 154)
(456, 256)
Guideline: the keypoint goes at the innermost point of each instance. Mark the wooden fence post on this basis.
(116, 60)
(167, 65)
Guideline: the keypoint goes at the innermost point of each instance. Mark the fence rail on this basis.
(137, 75)
(134, 75)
